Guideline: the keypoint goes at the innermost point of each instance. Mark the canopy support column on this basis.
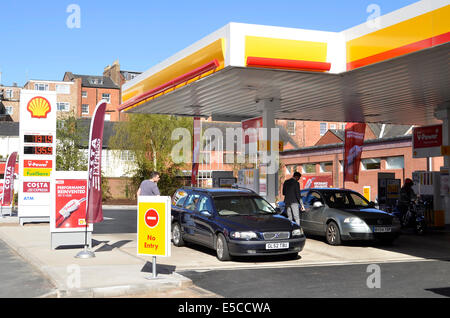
(442, 112)
(269, 155)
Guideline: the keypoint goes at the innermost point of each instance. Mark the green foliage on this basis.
(148, 137)
(69, 156)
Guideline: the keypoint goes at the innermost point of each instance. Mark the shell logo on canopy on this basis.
(39, 107)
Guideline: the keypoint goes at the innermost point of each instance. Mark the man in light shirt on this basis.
(150, 186)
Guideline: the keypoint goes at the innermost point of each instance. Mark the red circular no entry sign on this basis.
(151, 218)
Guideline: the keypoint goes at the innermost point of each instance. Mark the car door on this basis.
(187, 220)
(312, 218)
(204, 220)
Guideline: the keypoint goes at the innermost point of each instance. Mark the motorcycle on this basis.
(414, 216)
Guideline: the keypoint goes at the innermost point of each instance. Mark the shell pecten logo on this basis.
(39, 107)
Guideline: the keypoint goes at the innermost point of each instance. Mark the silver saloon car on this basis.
(342, 214)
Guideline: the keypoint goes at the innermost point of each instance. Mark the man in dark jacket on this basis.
(292, 198)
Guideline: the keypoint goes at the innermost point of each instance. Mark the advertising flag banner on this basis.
(8, 182)
(195, 150)
(354, 139)
(94, 194)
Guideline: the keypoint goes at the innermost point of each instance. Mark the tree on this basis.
(148, 136)
(69, 153)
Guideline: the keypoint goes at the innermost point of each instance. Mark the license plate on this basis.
(277, 246)
(382, 229)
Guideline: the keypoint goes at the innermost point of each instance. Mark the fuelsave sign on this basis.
(427, 141)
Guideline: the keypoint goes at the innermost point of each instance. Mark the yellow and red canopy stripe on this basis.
(418, 33)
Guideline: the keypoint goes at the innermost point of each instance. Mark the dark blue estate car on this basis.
(234, 222)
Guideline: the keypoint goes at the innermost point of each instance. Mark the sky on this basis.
(44, 39)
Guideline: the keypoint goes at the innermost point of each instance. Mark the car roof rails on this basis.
(236, 186)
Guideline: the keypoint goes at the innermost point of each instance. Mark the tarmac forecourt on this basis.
(117, 271)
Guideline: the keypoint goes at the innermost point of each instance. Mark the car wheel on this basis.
(222, 248)
(333, 234)
(177, 237)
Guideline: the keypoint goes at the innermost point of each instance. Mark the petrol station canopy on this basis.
(392, 70)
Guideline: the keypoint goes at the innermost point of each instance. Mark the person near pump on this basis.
(292, 198)
(150, 186)
(407, 194)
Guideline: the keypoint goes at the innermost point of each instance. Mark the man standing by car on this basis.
(292, 198)
(150, 186)
(406, 195)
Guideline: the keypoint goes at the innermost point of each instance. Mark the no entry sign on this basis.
(151, 218)
(154, 226)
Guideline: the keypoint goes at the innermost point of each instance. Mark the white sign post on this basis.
(37, 154)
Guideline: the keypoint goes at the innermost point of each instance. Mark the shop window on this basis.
(326, 167)
(371, 164)
(290, 169)
(309, 168)
(395, 162)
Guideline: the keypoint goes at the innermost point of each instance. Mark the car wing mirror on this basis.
(317, 204)
(206, 213)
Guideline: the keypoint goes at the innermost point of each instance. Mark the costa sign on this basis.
(36, 187)
(427, 141)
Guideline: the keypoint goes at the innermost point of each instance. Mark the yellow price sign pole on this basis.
(154, 227)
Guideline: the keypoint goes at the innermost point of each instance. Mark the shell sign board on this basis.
(37, 154)
(154, 226)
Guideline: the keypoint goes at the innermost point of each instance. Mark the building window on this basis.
(85, 109)
(290, 169)
(9, 94)
(84, 94)
(107, 97)
(63, 106)
(107, 117)
(62, 89)
(41, 87)
(332, 126)
(291, 128)
(309, 168)
(326, 167)
(371, 164)
(95, 81)
(395, 162)
(127, 155)
(323, 128)
(9, 110)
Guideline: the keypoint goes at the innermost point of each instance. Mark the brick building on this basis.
(10, 103)
(66, 95)
(90, 89)
(387, 148)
